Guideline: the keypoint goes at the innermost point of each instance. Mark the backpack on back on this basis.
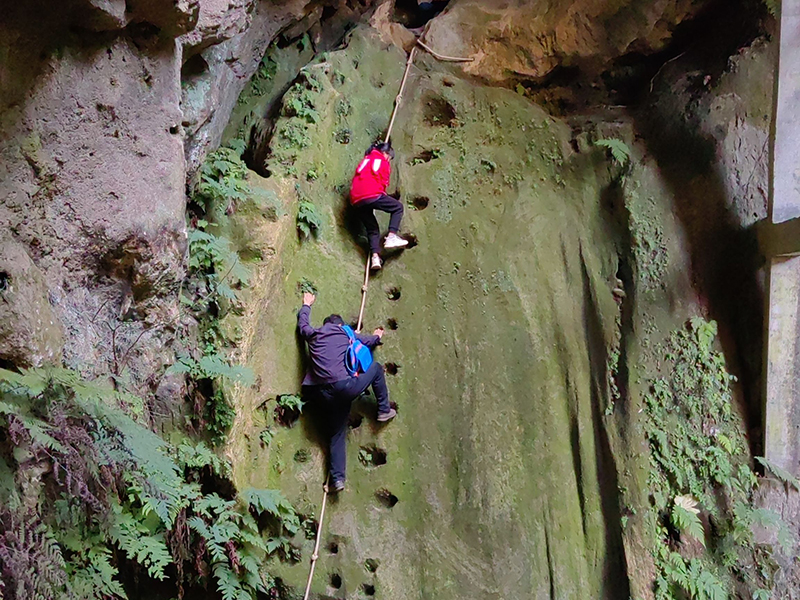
(358, 357)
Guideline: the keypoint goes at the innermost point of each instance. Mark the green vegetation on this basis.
(308, 218)
(222, 178)
(306, 286)
(300, 112)
(82, 484)
(786, 478)
(619, 150)
(291, 402)
(216, 277)
(699, 473)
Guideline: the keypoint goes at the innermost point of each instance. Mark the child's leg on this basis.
(392, 206)
(371, 225)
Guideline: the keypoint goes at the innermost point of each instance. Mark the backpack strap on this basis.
(350, 357)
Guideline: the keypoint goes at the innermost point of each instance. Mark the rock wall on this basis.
(499, 479)
(524, 39)
(524, 324)
(101, 102)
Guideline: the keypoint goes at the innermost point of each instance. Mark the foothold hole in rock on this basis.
(393, 293)
(368, 589)
(372, 456)
(301, 456)
(5, 281)
(392, 324)
(371, 564)
(287, 412)
(355, 421)
(391, 368)
(420, 202)
(343, 136)
(439, 112)
(333, 547)
(336, 580)
(411, 239)
(425, 156)
(386, 498)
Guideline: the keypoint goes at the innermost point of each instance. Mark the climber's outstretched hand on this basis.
(308, 298)
(379, 332)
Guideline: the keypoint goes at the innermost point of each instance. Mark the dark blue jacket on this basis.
(327, 347)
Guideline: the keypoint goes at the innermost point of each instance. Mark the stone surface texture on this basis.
(783, 353)
(530, 38)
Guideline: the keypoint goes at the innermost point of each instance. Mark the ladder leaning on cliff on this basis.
(397, 102)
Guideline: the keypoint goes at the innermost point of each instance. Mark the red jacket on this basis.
(371, 177)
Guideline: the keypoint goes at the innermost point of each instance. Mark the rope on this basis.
(442, 56)
(397, 102)
(315, 555)
(363, 295)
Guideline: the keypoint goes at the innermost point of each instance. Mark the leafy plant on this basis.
(222, 179)
(783, 475)
(685, 518)
(212, 366)
(266, 436)
(619, 150)
(308, 218)
(306, 286)
(213, 260)
(698, 453)
(120, 486)
(291, 402)
(299, 102)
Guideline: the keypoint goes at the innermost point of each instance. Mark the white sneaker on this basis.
(375, 265)
(394, 241)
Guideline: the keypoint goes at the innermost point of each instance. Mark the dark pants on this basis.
(365, 212)
(336, 399)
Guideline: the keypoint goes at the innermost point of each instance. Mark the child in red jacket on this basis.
(368, 193)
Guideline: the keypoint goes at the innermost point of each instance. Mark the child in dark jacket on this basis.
(368, 193)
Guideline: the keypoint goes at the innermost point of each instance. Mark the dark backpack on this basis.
(358, 357)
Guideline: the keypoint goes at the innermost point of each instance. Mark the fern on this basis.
(308, 219)
(222, 179)
(782, 474)
(685, 518)
(620, 151)
(31, 561)
(212, 366)
(212, 258)
(275, 504)
(201, 456)
(698, 453)
(153, 497)
(141, 544)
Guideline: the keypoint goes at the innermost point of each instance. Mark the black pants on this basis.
(336, 399)
(365, 212)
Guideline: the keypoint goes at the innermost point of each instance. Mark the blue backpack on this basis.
(358, 357)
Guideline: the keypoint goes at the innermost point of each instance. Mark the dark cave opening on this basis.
(414, 14)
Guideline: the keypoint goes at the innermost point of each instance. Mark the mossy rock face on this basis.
(498, 479)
